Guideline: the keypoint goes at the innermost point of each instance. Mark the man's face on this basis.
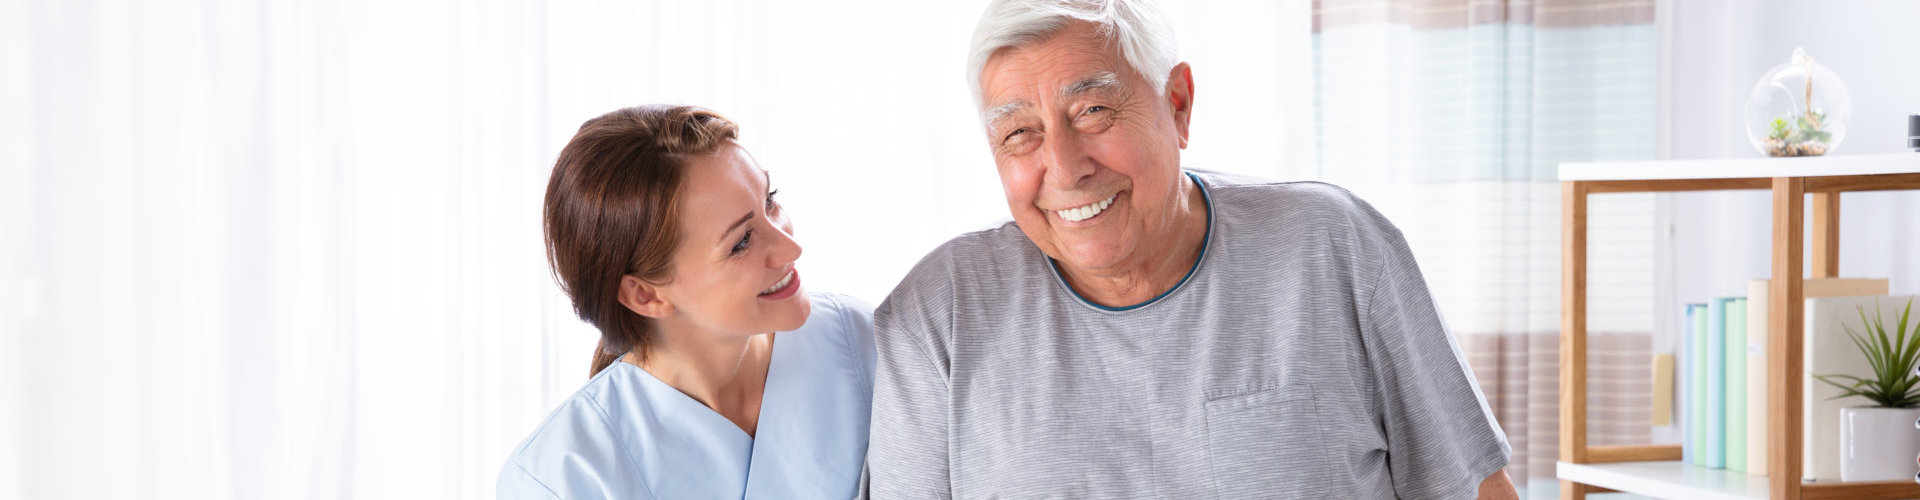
(1088, 153)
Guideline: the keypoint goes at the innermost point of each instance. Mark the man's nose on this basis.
(1066, 160)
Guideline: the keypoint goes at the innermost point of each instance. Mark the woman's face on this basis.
(733, 272)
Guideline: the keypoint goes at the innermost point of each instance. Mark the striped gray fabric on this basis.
(1303, 358)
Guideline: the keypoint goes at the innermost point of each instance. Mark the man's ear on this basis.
(1180, 98)
(643, 298)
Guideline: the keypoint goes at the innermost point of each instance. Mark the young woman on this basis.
(717, 376)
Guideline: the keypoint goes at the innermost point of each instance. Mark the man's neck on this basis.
(1161, 269)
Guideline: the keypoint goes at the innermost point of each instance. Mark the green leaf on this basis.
(1893, 357)
(1907, 358)
(1778, 129)
(1860, 341)
(1885, 369)
(1807, 126)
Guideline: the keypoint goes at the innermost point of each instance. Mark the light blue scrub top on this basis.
(627, 435)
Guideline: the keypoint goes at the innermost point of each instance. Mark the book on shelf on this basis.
(1716, 373)
(1757, 377)
(1736, 376)
(1757, 358)
(1696, 431)
(1829, 351)
(1683, 382)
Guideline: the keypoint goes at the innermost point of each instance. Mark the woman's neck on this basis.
(727, 374)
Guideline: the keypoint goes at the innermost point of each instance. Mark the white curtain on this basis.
(1451, 117)
(291, 249)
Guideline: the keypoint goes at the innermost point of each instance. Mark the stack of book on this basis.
(1722, 372)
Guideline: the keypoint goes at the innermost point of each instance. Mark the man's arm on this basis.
(1498, 487)
(1442, 438)
(907, 447)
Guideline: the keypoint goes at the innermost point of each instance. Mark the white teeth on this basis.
(1086, 212)
(777, 286)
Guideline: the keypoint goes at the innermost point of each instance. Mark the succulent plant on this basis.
(1778, 129)
(1893, 359)
(1810, 128)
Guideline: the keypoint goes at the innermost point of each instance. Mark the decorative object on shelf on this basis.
(1913, 133)
(1798, 109)
(1873, 441)
(1832, 303)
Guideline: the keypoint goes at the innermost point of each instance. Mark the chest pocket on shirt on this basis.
(1268, 443)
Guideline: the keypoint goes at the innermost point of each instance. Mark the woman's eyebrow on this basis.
(735, 225)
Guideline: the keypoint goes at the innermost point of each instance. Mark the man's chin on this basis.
(1087, 261)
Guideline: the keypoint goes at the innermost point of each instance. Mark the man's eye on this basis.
(1014, 133)
(745, 239)
(1095, 109)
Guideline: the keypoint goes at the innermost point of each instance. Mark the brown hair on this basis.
(612, 211)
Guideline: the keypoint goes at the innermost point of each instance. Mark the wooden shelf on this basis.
(1585, 469)
(1742, 168)
(1668, 480)
(1673, 479)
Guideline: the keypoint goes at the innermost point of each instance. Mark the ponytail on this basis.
(603, 358)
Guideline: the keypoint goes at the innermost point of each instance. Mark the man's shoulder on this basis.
(1248, 192)
(994, 259)
(988, 248)
(1287, 206)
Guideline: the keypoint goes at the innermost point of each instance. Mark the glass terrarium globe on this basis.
(1798, 109)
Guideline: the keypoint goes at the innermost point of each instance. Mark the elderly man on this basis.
(1144, 331)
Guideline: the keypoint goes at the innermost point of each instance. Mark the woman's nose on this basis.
(785, 248)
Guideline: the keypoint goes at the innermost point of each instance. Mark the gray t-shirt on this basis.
(1302, 357)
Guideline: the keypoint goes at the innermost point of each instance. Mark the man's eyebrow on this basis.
(1093, 83)
(1098, 81)
(1001, 112)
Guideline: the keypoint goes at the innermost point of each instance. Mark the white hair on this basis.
(1142, 31)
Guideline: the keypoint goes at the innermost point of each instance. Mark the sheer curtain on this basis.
(291, 249)
(1451, 117)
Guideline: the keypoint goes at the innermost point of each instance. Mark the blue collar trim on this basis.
(1205, 242)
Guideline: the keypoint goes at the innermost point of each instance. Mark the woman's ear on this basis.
(643, 298)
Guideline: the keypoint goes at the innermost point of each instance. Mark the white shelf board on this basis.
(1811, 166)
(1670, 479)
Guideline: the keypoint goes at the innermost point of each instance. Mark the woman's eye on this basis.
(772, 205)
(745, 239)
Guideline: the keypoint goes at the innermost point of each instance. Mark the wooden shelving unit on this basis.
(1655, 470)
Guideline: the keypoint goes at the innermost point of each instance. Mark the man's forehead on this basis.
(1074, 54)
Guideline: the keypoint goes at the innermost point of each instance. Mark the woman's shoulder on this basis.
(577, 437)
(848, 321)
(839, 316)
(841, 306)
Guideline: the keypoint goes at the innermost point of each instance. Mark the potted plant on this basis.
(1877, 442)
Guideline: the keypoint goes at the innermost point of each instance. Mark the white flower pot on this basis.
(1879, 444)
